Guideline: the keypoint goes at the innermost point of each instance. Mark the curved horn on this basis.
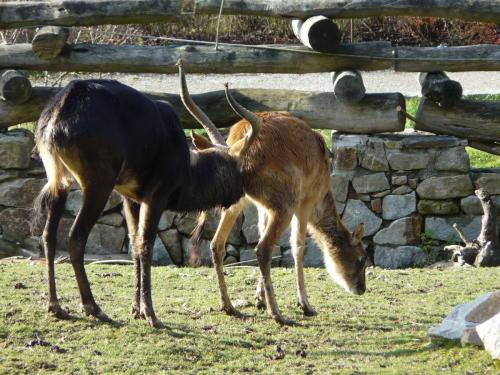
(252, 118)
(212, 132)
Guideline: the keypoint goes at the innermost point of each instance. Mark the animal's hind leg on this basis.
(260, 293)
(49, 237)
(131, 209)
(93, 202)
(277, 223)
(218, 244)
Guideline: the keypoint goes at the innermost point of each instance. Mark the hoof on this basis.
(230, 310)
(155, 323)
(57, 312)
(136, 312)
(308, 310)
(260, 304)
(282, 321)
(95, 312)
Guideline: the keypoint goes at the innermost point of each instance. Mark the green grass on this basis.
(383, 331)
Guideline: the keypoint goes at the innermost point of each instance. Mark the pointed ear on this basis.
(200, 142)
(357, 234)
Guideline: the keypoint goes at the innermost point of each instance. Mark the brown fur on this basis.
(286, 173)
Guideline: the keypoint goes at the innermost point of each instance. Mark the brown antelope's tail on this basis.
(194, 250)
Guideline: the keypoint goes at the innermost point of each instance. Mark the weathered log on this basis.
(439, 88)
(450, 59)
(86, 12)
(201, 58)
(14, 86)
(474, 10)
(318, 33)
(348, 86)
(374, 114)
(49, 41)
(490, 147)
(474, 120)
(250, 59)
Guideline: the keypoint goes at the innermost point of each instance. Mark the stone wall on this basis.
(397, 185)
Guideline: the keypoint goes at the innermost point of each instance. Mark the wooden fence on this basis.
(348, 108)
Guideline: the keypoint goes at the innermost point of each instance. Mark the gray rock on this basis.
(74, 201)
(370, 183)
(381, 194)
(114, 219)
(399, 180)
(340, 187)
(284, 240)
(172, 241)
(471, 205)
(15, 149)
(34, 244)
(345, 150)
(453, 159)
(441, 228)
(374, 157)
(21, 192)
(313, 256)
(287, 259)
(205, 252)
(15, 223)
(489, 182)
(361, 197)
(432, 207)
(339, 206)
(356, 212)
(398, 206)
(250, 226)
(398, 257)
(453, 326)
(233, 251)
(412, 182)
(187, 222)
(489, 333)
(166, 220)
(230, 260)
(445, 187)
(406, 161)
(405, 231)
(161, 256)
(8, 248)
(402, 190)
(103, 239)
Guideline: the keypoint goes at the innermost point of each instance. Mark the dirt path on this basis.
(380, 81)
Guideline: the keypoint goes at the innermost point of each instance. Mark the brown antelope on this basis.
(106, 136)
(286, 174)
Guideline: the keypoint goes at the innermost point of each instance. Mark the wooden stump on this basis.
(15, 88)
(348, 86)
(436, 86)
(49, 41)
(318, 33)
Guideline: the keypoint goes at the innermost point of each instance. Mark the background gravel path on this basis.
(380, 81)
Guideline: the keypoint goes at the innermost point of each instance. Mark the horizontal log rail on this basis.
(95, 12)
(375, 113)
(233, 58)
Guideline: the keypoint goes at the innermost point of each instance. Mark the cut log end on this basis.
(49, 41)
(15, 88)
(318, 33)
(348, 86)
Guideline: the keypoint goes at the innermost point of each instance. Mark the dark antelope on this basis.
(286, 174)
(106, 136)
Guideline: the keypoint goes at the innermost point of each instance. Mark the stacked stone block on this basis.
(397, 185)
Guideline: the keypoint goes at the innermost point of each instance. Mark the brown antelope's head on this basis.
(216, 140)
(346, 260)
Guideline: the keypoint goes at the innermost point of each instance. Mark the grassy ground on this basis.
(383, 331)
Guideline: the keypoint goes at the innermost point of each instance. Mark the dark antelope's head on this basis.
(346, 261)
(215, 141)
